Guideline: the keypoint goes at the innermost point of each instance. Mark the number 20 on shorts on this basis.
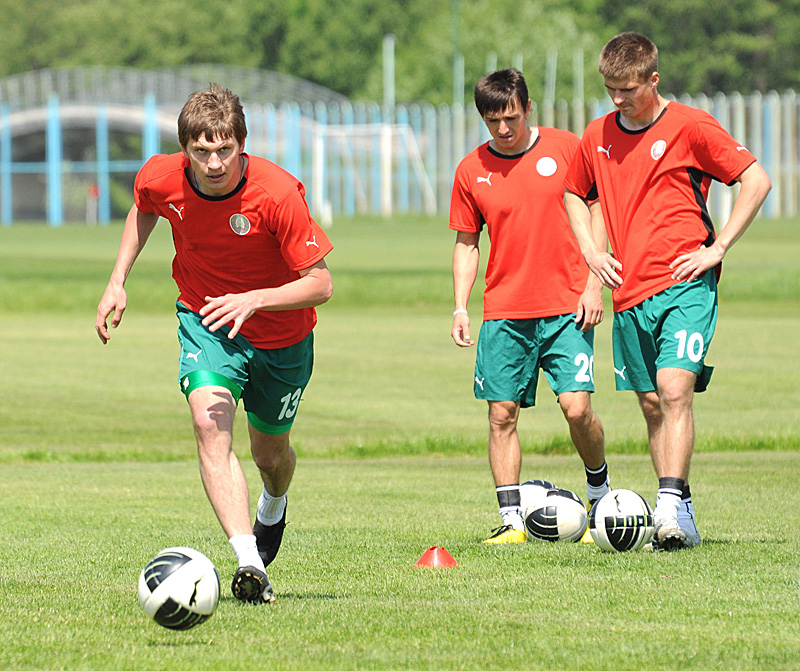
(586, 368)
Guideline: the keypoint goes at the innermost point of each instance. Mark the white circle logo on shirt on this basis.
(658, 149)
(546, 166)
(240, 224)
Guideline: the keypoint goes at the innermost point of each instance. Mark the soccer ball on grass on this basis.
(621, 521)
(179, 588)
(557, 516)
(530, 492)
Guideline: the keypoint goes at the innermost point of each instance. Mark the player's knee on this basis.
(577, 409)
(651, 406)
(265, 461)
(502, 417)
(208, 426)
(674, 396)
(271, 452)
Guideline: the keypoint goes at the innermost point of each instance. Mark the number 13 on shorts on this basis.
(290, 402)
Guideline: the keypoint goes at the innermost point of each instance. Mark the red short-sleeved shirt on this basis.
(653, 186)
(535, 268)
(258, 236)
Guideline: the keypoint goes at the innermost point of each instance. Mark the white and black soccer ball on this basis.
(179, 588)
(621, 521)
(558, 516)
(530, 492)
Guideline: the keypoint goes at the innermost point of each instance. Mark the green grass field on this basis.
(97, 474)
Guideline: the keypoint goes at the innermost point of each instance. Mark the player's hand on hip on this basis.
(688, 267)
(233, 309)
(460, 331)
(114, 300)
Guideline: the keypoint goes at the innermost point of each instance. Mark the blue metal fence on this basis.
(352, 158)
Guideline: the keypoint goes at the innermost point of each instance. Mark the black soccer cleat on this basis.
(252, 585)
(668, 535)
(268, 538)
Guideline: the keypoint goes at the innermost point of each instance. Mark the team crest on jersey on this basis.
(658, 149)
(546, 166)
(240, 224)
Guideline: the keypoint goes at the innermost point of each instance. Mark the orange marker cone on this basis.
(436, 558)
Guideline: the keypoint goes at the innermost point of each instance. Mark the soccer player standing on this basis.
(249, 265)
(540, 302)
(652, 162)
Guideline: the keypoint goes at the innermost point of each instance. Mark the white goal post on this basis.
(357, 148)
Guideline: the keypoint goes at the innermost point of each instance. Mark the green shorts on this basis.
(672, 329)
(511, 352)
(270, 382)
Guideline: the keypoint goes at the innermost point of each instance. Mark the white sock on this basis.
(597, 483)
(246, 551)
(595, 493)
(270, 508)
(513, 516)
(667, 504)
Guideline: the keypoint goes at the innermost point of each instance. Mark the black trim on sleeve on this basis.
(696, 178)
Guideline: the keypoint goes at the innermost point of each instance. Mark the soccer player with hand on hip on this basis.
(651, 163)
(250, 268)
(541, 303)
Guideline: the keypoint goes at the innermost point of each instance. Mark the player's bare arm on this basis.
(590, 311)
(466, 257)
(755, 185)
(313, 287)
(138, 227)
(600, 262)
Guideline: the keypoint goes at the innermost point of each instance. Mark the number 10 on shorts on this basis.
(691, 346)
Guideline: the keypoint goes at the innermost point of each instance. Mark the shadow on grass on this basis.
(287, 596)
(178, 642)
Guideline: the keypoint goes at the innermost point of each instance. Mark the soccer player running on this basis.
(540, 303)
(249, 265)
(652, 162)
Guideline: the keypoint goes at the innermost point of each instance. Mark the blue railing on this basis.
(353, 158)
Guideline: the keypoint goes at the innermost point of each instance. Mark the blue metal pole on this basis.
(6, 186)
(767, 158)
(295, 156)
(271, 123)
(103, 168)
(402, 160)
(349, 206)
(55, 206)
(375, 168)
(415, 187)
(151, 141)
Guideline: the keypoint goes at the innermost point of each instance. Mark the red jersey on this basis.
(258, 236)
(535, 268)
(653, 185)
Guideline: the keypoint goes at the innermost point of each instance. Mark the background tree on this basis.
(706, 45)
(716, 45)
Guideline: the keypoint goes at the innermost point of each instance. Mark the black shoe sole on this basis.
(670, 543)
(252, 586)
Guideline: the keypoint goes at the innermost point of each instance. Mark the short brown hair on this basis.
(497, 91)
(629, 56)
(215, 112)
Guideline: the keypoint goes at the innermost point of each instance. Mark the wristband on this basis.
(460, 311)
